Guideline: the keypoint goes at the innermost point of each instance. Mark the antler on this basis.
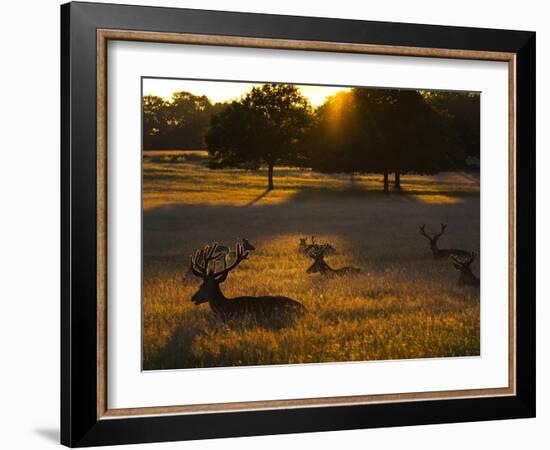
(202, 258)
(438, 235)
(317, 251)
(464, 262)
(423, 232)
(470, 259)
(240, 255)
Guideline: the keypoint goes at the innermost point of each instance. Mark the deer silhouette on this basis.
(466, 278)
(203, 265)
(320, 266)
(441, 252)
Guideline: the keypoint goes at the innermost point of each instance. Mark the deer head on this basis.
(247, 246)
(318, 255)
(203, 265)
(463, 265)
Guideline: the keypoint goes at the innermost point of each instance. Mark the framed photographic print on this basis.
(276, 224)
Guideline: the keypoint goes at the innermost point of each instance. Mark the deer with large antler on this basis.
(203, 265)
(441, 252)
(463, 265)
(320, 266)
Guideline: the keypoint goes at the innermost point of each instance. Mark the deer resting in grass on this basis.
(203, 265)
(467, 278)
(441, 252)
(320, 266)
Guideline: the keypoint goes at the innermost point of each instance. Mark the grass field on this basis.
(404, 304)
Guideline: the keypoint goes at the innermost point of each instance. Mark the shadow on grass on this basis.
(176, 353)
(258, 198)
(383, 227)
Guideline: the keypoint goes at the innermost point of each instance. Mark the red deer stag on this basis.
(320, 266)
(203, 265)
(440, 252)
(467, 278)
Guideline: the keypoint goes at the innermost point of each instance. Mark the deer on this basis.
(467, 278)
(245, 243)
(304, 247)
(439, 252)
(320, 266)
(203, 265)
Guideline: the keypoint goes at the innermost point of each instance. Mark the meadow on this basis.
(404, 303)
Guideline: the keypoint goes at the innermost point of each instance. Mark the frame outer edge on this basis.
(526, 224)
(79, 426)
(79, 254)
(65, 333)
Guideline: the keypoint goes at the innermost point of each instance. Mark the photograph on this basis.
(286, 223)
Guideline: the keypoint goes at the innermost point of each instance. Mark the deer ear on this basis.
(457, 266)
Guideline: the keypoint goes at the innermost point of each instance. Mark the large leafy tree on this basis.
(381, 131)
(265, 127)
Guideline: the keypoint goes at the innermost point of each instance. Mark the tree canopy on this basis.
(180, 123)
(265, 127)
(463, 109)
(381, 131)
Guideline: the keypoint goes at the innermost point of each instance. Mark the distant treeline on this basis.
(363, 130)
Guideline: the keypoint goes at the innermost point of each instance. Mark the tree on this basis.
(463, 109)
(189, 117)
(265, 127)
(155, 121)
(382, 131)
(180, 123)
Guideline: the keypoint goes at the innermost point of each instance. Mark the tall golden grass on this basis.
(404, 304)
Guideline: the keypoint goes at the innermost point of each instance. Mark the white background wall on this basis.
(29, 224)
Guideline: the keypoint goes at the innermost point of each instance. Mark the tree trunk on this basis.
(386, 189)
(353, 181)
(397, 183)
(270, 177)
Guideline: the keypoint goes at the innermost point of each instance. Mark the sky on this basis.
(220, 91)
